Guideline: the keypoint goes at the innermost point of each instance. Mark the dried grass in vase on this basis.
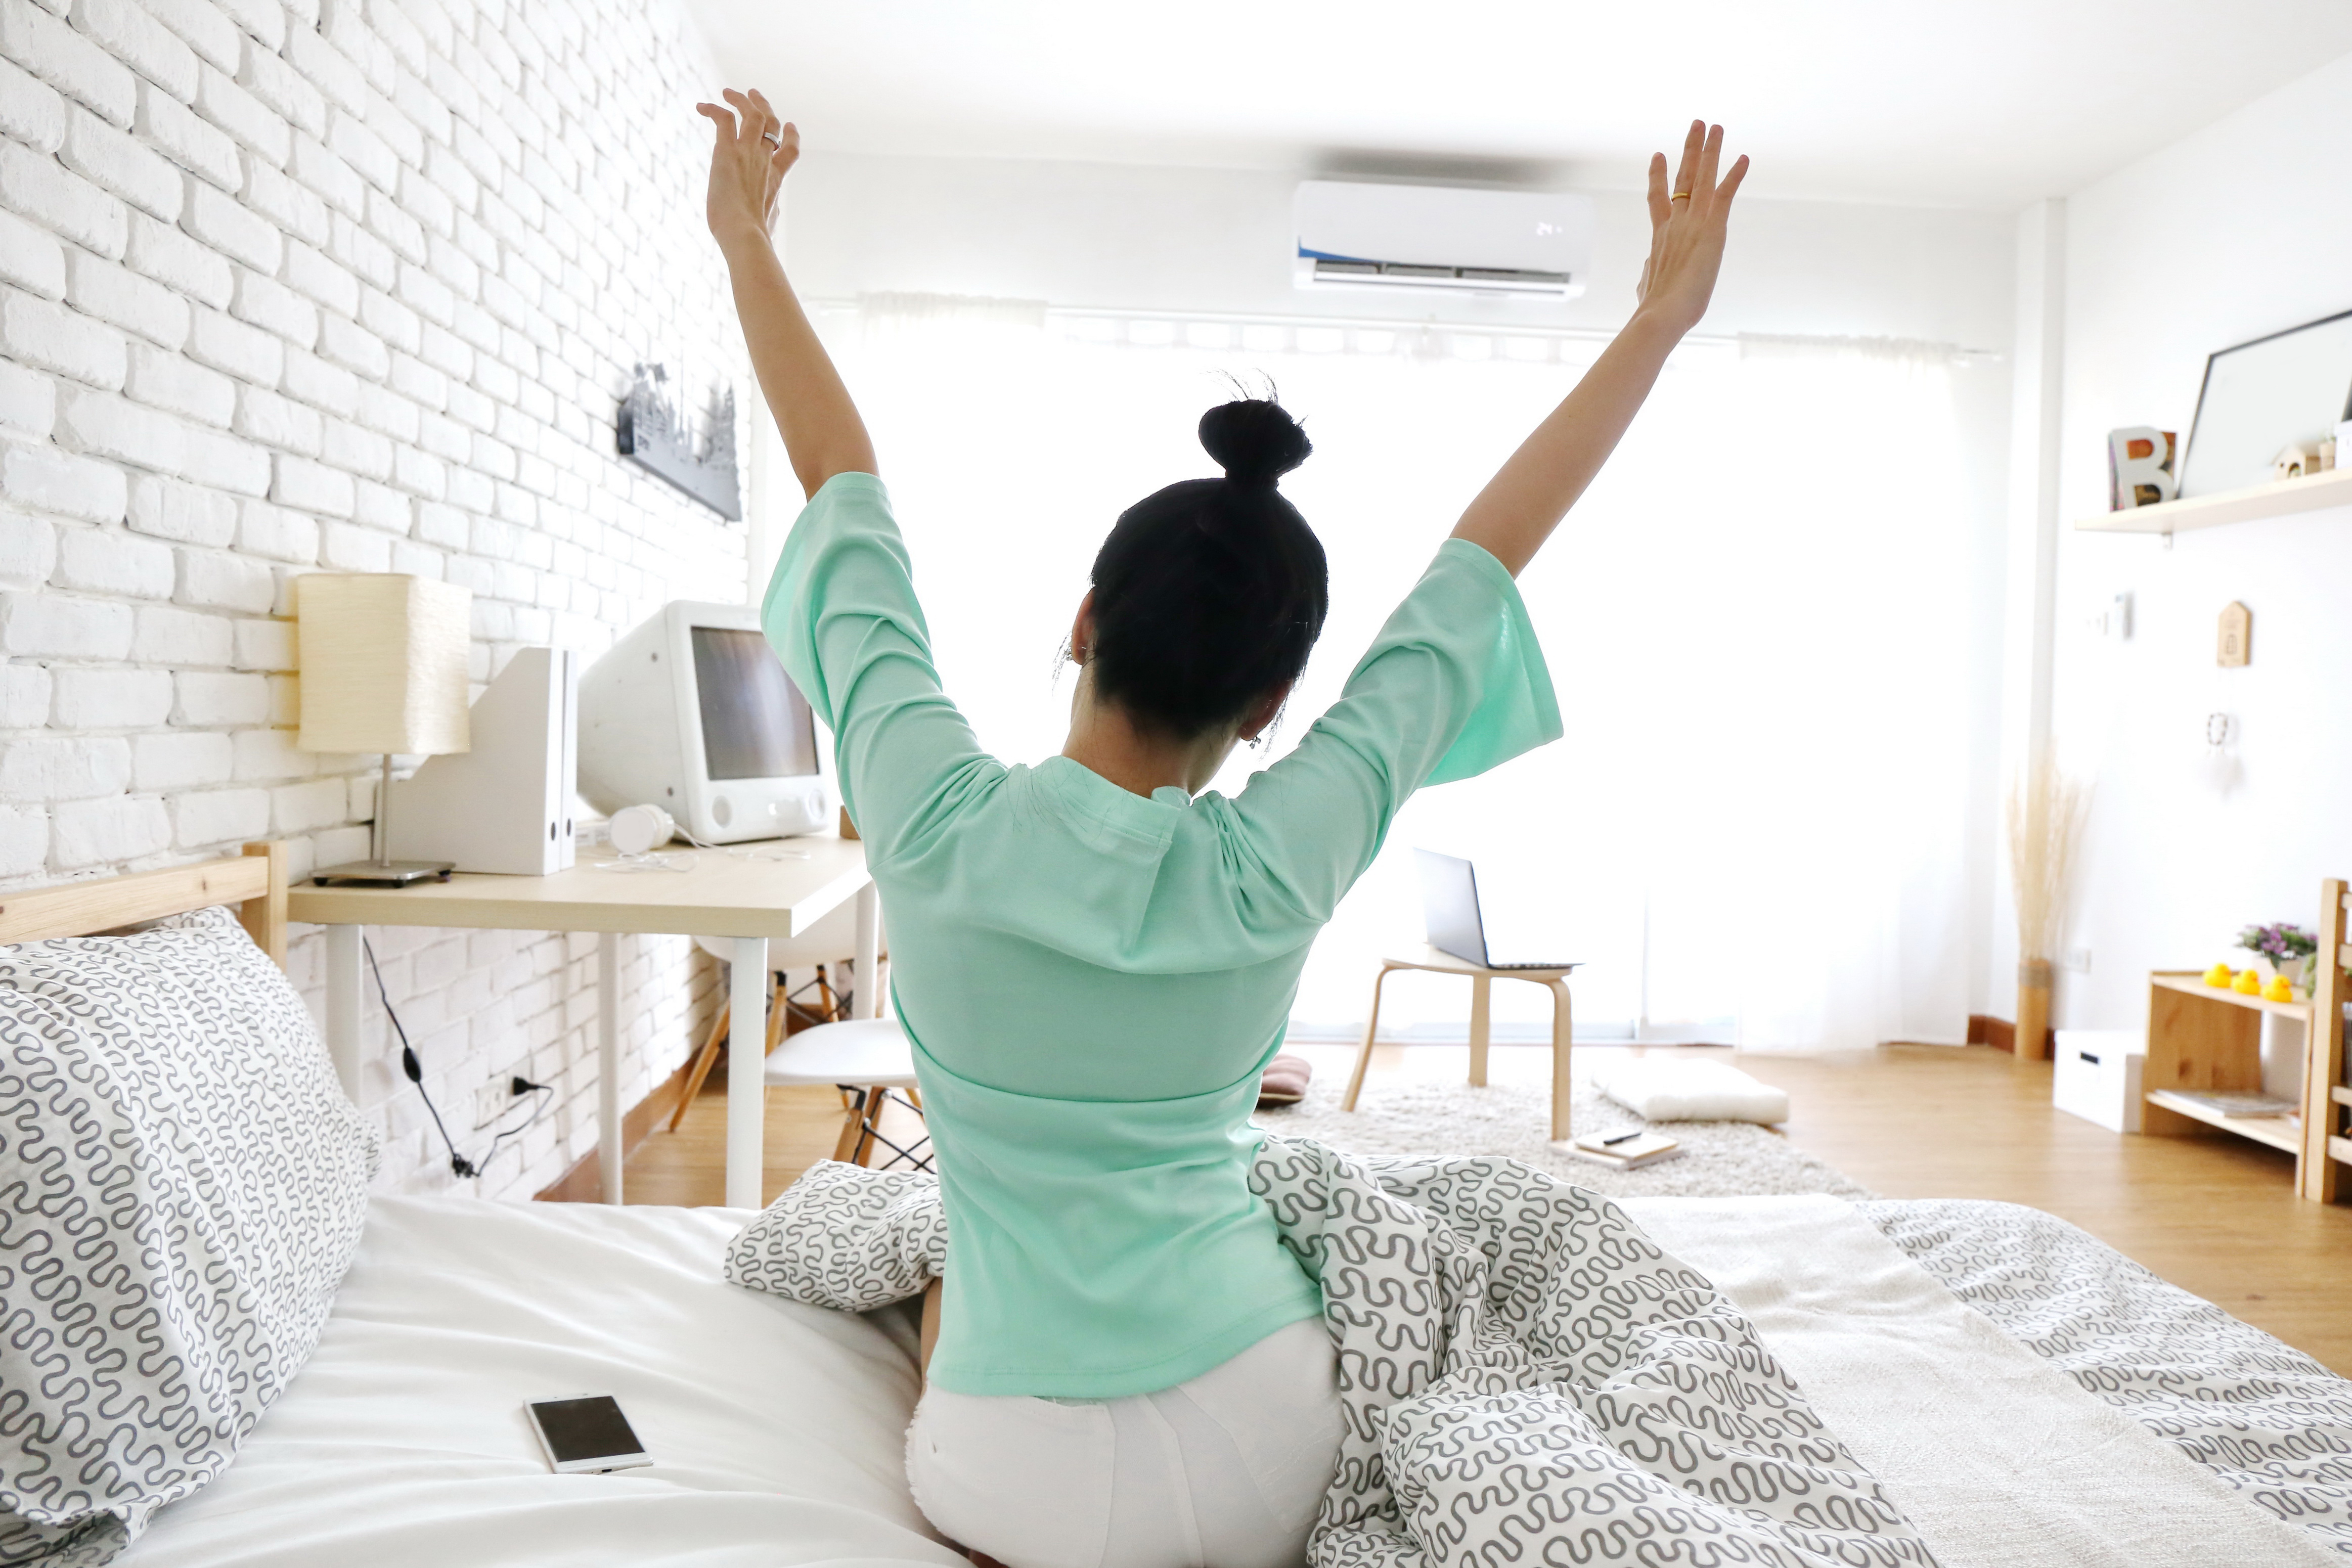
(2047, 811)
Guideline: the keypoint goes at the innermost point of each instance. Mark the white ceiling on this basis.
(1939, 102)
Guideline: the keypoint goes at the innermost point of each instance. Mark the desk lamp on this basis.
(382, 660)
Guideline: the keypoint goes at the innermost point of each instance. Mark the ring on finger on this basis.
(1679, 196)
(772, 141)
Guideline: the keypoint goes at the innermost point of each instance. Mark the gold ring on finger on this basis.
(1679, 196)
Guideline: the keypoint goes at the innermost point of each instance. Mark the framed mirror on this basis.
(2290, 386)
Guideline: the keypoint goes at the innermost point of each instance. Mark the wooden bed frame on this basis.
(255, 882)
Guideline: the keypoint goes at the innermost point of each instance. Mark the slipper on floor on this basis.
(1284, 1082)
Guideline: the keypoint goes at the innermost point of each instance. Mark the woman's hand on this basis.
(1526, 499)
(1686, 229)
(747, 163)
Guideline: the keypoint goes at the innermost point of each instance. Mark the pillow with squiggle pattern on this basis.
(182, 1187)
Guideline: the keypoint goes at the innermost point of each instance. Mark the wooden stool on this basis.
(1430, 958)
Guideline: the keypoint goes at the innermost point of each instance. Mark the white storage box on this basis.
(2098, 1076)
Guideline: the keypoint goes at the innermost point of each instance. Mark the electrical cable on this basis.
(459, 1165)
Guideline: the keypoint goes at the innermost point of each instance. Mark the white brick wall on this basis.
(347, 285)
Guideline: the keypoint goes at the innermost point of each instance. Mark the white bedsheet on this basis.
(777, 1429)
(1947, 1410)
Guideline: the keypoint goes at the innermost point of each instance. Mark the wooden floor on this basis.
(2216, 1216)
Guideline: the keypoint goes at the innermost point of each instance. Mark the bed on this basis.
(2007, 1377)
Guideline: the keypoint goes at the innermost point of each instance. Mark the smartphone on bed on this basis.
(586, 1432)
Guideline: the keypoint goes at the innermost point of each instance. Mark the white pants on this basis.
(1225, 1471)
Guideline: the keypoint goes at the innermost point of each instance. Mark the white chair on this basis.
(829, 942)
(865, 1059)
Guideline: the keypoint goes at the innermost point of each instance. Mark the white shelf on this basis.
(2277, 500)
(2278, 1131)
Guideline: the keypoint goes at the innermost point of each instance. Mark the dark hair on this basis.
(1209, 593)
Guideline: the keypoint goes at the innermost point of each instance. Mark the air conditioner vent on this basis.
(1481, 279)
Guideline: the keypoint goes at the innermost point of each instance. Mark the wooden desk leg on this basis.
(868, 1002)
(610, 1155)
(343, 1005)
(1481, 1000)
(746, 1078)
(1364, 1056)
(1562, 1033)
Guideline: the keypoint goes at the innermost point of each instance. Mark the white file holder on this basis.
(506, 805)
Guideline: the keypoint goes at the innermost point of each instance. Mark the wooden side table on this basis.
(1481, 980)
(2208, 1038)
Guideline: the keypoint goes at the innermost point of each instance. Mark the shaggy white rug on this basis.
(1719, 1159)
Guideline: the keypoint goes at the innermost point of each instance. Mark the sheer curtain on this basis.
(1756, 619)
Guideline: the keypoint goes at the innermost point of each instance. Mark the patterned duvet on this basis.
(1528, 1377)
(2267, 1419)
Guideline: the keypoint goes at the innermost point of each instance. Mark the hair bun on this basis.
(1254, 440)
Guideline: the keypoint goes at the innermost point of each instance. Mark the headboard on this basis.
(254, 880)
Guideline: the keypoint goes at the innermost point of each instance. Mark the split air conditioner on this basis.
(1436, 236)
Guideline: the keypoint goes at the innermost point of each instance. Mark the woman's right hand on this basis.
(749, 159)
(1686, 229)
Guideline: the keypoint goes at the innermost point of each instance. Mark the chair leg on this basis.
(852, 1134)
(776, 1011)
(1562, 1032)
(1364, 1055)
(704, 1059)
(871, 1124)
(1482, 988)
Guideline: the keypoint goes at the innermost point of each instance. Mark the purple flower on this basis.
(2281, 943)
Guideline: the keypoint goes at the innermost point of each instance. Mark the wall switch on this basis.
(2077, 959)
(2119, 617)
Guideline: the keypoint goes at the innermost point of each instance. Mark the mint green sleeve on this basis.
(1455, 683)
(842, 614)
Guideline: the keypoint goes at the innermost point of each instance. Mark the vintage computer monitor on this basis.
(692, 712)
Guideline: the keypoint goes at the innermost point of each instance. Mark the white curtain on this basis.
(1756, 618)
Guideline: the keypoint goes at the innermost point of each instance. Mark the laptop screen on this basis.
(1449, 905)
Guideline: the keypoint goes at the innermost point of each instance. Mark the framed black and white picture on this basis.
(2291, 387)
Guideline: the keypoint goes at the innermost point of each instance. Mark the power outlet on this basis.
(2077, 959)
(491, 1100)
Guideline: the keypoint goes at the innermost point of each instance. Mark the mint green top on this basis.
(1092, 981)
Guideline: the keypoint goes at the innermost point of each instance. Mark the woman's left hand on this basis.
(748, 160)
(1686, 229)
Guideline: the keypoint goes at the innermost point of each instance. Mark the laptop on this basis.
(1449, 903)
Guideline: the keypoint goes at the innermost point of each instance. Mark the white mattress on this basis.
(776, 1430)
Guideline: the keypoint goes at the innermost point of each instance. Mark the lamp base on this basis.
(383, 873)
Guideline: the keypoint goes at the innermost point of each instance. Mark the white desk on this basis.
(744, 899)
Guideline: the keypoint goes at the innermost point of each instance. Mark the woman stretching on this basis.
(1093, 961)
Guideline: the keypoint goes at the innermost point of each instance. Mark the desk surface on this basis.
(723, 895)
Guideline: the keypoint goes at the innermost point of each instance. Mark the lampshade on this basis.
(382, 662)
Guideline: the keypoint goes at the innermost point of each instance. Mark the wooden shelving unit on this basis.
(2208, 1040)
(2277, 500)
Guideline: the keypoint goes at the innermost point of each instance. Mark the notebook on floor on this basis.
(1621, 1151)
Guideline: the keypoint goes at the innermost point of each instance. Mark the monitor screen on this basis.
(755, 722)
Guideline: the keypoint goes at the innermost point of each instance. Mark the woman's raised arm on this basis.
(823, 433)
(1526, 499)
